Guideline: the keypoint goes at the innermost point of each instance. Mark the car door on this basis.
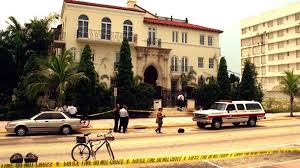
(242, 113)
(41, 123)
(56, 122)
(232, 112)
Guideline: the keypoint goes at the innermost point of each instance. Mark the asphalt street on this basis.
(139, 143)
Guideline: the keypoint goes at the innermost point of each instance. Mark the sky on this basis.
(220, 14)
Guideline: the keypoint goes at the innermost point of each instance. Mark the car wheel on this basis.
(201, 125)
(216, 124)
(236, 124)
(21, 131)
(251, 122)
(66, 130)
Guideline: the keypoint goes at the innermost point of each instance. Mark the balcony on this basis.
(151, 42)
(178, 70)
(98, 36)
(58, 39)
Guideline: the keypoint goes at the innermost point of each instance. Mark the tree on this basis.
(249, 90)
(124, 76)
(290, 85)
(233, 79)
(223, 80)
(187, 79)
(55, 74)
(207, 94)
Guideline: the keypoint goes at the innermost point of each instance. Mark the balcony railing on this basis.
(180, 69)
(59, 36)
(151, 42)
(97, 35)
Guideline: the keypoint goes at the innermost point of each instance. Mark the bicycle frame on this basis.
(94, 152)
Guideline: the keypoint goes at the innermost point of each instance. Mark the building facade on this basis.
(161, 48)
(272, 42)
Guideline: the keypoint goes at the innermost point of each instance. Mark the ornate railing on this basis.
(151, 42)
(98, 35)
(180, 69)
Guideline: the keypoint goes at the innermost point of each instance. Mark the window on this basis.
(210, 40)
(174, 64)
(253, 106)
(298, 41)
(44, 116)
(202, 39)
(184, 64)
(297, 29)
(298, 54)
(281, 44)
(270, 35)
(280, 21)
(281, 56)
(57, 116)
(184, 37)
(271, 47)
(297, 16)
(127, 30)
(270, 24)
(83, 26)
(116, 64)
(175, 37)
(244, 31)
(211, 63)
(255, 28)
(240, 107)
(280, 33)
(230, 107)
(93, 54)
(106, 29)
(200, 62)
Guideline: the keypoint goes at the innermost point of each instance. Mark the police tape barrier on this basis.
(151, 160)
(98, 114)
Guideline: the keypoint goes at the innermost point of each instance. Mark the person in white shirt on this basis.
(180, 100)
(124, 118)
(72, 111)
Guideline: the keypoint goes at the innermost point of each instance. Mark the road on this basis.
(139, 143)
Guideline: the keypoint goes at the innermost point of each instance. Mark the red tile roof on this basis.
(179, 24)
(102, 5)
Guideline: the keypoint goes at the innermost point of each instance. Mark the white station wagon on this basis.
(234, 112)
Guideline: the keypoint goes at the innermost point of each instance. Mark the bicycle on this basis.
(84, 147)
(84, 122)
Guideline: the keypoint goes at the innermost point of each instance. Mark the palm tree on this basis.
(290, 85)
(55, 74)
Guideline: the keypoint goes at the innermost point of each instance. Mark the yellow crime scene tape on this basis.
(151, 160)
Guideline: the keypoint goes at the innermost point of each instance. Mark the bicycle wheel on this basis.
(85, 123)
(81, 152)
(110, 152)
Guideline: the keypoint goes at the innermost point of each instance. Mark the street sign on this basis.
(115, 92)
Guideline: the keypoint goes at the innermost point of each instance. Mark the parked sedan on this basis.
(48, 121)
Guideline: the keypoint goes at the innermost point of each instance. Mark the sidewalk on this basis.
(142, 123)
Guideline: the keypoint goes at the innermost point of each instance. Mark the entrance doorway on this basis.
(150, 75)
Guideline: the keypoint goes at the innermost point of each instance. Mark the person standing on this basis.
(159, 120)
(116, 117)
(123, 119)
(72, 111)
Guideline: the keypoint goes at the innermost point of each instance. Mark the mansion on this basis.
(162, 48)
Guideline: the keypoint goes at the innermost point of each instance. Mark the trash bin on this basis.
(16, 158)
(31, 157)
(190, 104)
(157, 104)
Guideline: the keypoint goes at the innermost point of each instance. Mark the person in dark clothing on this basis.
(159, 120)
(116, 117)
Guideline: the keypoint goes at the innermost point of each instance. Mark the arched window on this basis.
(106, 28)
(127, 30)
(83, 26)
(174, 64)
(184, 64)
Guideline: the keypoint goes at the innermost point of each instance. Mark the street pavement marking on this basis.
(211, 163)
(278, 163)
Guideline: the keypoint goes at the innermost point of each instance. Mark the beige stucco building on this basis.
(161, 48)
(272, 42)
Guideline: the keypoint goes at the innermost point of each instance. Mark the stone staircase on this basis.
(174, 112)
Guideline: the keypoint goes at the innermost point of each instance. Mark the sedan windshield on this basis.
(218, 106)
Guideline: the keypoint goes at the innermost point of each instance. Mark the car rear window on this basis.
(253, 106)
